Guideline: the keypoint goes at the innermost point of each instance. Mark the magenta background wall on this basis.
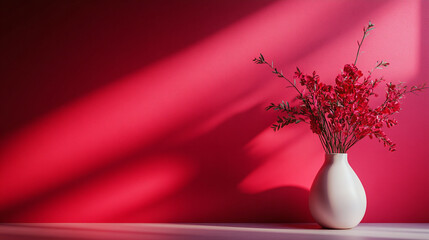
(152, 111)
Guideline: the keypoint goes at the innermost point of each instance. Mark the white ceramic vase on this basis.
(337, 197)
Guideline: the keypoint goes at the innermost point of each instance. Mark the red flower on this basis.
(341, 114)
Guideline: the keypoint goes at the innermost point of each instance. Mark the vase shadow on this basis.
(287, 204)
(303, 226)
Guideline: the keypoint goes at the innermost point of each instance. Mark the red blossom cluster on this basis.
(341, 114)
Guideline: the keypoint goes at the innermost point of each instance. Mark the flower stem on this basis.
(365, 33)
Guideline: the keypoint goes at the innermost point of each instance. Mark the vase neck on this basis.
(335, 157)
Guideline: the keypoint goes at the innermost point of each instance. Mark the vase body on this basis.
(337, 197)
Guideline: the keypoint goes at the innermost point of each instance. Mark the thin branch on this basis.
(365, 33)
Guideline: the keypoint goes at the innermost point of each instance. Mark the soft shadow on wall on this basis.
(48, 150)
(181, 136)
(56, 52)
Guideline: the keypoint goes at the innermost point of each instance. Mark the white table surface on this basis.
(210, 231)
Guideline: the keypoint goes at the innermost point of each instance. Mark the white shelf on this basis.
(247, 231)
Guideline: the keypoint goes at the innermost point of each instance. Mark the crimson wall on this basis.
(152, 111)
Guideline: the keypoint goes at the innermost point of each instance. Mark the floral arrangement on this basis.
(341, 114)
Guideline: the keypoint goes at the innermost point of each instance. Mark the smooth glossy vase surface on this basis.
(337, 197)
